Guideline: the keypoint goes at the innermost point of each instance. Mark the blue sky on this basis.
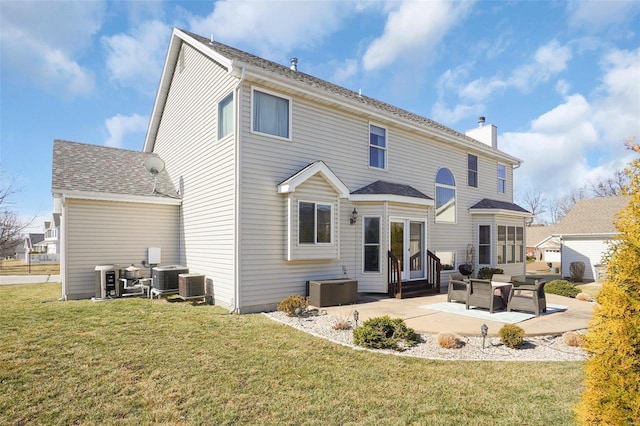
(560, 79)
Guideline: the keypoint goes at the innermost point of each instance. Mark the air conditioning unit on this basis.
(165, 278)
(191, 285)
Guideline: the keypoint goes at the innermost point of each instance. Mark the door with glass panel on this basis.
(407, 244)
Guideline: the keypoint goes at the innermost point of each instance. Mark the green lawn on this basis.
(137, 361)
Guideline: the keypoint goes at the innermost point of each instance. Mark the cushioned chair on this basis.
(457, 290)
(481, 294)
(528, 297)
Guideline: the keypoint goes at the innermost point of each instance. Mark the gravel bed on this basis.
(535, 348)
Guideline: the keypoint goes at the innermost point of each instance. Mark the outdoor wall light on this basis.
(354, 216)
(484, 329)
(356, 315)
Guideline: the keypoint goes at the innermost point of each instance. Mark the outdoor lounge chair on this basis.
(528, 297)
(481, 294)
(457, 290)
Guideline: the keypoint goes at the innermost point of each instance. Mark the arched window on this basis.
(445, 196)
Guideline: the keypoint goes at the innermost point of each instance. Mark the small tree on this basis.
(612, 382)
(11, 226)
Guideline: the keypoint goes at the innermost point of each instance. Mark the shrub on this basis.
(486, 273)
(561, 288)
(290, 304)
(585, 297)
(511, 336)
(612, 373)
(384, 333)
(448, 340)
(571, 338)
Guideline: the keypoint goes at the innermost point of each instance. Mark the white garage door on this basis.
(552, 255)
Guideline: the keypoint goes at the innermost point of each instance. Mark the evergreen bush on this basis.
(562, 288)
(290, 304)
(612, 373)
(511, 336)
(486, 273)
(384, 333)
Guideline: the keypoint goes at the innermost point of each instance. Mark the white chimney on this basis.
(294, 64)
(488, 134)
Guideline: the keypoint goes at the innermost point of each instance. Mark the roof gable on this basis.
(238, 61)
(318, 168)
(84, 168)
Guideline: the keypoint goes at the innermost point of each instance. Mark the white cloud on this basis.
(273, 28)
(581, 140)
(121, 126)
(595, 15)
(549, 60)
(343, 71)
(135, 60)
(41, 40)
(442, 114)
(413, 28)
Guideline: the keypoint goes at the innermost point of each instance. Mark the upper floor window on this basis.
(271, 114)
(472, 166)
(502, 178)
(445, 196)
(225, 116)
(377, 147)
(314, 222)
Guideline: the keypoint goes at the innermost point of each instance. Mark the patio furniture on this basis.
(528, 297)
(481, 294)
(457, 289)
(502, 284)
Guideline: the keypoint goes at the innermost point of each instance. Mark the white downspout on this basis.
(235, 305)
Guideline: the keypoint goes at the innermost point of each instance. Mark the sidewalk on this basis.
(28, 279)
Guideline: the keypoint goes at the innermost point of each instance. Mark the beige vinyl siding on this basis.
(341, 140)
(587, 249)
(103, 233)
(203, 168)
(314, 190)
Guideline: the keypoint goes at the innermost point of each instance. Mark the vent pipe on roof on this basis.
(481, 121)
(211, 39)
(294, 64)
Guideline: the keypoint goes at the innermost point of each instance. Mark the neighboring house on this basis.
(31, 244)
(542, 245)
(586, 233)
(52, 234)
(285, 178)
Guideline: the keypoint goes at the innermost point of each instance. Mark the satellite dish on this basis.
(154, 165)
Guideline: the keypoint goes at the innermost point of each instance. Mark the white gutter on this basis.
(236, 202)
(123, 198)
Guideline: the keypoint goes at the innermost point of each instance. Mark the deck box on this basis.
(333, 292)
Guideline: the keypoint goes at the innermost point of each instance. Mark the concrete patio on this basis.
(576, 317)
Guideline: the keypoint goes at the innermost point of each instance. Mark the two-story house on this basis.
(274, 177)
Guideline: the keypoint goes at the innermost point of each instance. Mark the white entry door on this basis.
(408, 244)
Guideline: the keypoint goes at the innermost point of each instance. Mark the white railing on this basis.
(44, 258)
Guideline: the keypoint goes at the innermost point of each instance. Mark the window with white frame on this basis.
(502, 178)
(484, 245)
(510, 244)
(377, 147)
(314, 223)
(225, 116)
(447, 259)
(271, 114)
(371, 250)
(445, 196)
(472, 166)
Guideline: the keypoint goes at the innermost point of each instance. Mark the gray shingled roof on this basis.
(101, 169)
(592, 216)
(486, 203)
(247, 58)
(381, 187)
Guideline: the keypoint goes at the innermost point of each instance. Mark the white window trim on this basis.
(500, 179)
(455, 198)
(279, 95)
(315, 227)
(233, 113)
(385, 149)
(455, 259)
(492, 243)
(380, 258)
